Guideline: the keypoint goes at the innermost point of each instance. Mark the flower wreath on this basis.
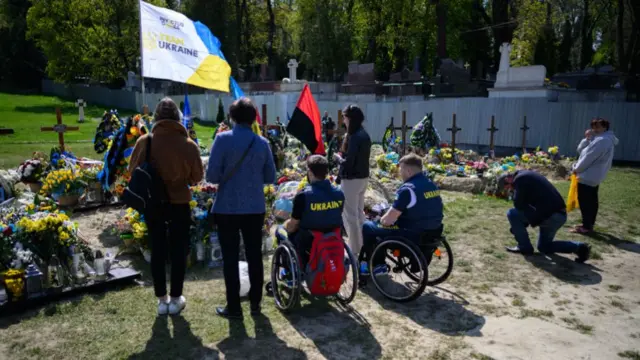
(106, 130)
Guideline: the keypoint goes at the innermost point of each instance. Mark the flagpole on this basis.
(141, 55)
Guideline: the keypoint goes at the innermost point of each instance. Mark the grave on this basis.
(116, 278)
(404, 83)
(518, 82)
(59, 128)
(453, 79)
(80, 104)
(361, 79)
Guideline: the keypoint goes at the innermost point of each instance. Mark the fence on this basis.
(551, 123)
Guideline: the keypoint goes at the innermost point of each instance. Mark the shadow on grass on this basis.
(566, 270)
(184, 343)
(338, 332)
(446, 316)
(265, 346)
(615, 241)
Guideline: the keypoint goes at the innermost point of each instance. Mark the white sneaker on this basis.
(176, 305)
(163, 307)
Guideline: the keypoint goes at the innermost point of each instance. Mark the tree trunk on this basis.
(622, 59)
(239, 57)
(586, 37)
(441, 13)
(272, 32)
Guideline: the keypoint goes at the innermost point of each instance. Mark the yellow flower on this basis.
(64, 235)
(193, 204)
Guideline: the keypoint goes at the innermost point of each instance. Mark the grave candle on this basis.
(33, 277)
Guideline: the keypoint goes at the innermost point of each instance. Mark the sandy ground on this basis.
(552, 308)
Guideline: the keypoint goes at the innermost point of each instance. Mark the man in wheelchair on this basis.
(416, 215)
(317, 208)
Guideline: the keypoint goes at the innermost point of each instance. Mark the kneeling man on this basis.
(538, 203)
(417, 212)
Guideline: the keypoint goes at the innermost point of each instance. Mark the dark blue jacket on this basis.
(420, 203)
(536, 197)
(323, 204)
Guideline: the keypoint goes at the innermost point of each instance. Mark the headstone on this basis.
(524, 76)
(405, 75)
(80, 104)
(293, 69)
(361, 73)
(131, 80)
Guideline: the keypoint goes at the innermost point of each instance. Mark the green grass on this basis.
(122, 324)
(25, 114)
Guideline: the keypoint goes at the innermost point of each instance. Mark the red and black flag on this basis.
(305, 123)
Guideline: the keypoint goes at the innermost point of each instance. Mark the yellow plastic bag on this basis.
(572, 199)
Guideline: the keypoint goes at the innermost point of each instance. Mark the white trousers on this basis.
(353, 214)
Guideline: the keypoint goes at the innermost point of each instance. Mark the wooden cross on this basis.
(524, 129)
(454, 129)
(80, 104)
(403, 130)
(60, 128)
(492, 130)
(264, 120)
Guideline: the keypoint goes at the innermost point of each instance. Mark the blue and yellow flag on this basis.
(178, 49)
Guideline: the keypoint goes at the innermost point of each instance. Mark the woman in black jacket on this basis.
(354, 174)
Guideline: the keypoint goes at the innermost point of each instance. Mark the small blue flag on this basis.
(186, 119)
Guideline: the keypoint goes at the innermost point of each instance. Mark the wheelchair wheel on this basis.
(441, 264)
(349, 286)
(401, 259)
(285, 276)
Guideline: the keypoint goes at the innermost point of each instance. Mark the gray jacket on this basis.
(596, 156)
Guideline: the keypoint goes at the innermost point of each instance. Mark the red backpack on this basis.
(325, 270)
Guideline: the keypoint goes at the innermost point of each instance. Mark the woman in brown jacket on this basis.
(176, 158)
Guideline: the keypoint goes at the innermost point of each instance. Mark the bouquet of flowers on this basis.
(90, 174)
(480, 166)
(48, 234)
(445, 154)
(133, 230)
(60, 159)
(63, 182)
(33, 170)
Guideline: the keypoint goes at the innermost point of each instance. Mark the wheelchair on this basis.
(287, 285)
(428, 263)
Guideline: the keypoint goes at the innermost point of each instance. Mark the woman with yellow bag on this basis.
(596, 156)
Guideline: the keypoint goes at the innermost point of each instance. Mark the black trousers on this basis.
(229, 227)
(169, 232)
(588, 200)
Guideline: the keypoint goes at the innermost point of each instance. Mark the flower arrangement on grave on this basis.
(115, 175)
(64, 182)
(59, 159)
(14, 283)
(133, 230)
(106, 130)
(33, 170)
(424, 134)
(445, 154)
